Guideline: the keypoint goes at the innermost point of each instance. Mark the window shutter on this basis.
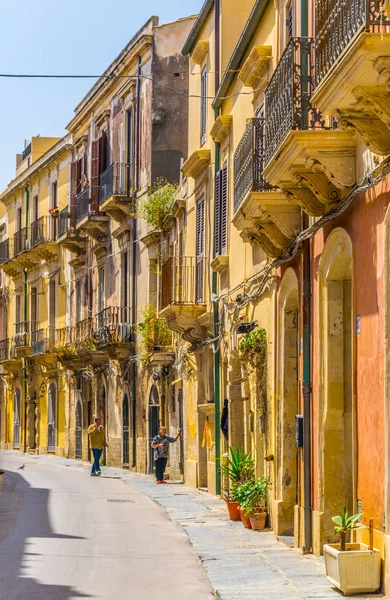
(224, 210)
(200, 227)
(217, 214)
(73, 192)
(203, 106)
(95, 175)
(85, 168)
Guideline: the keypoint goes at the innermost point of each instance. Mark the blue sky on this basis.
(74, 36)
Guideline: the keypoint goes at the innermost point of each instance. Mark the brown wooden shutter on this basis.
(95, 176)
(85, 169)
(224, 210)
(217, 214)
(73, 193)
(200, 236)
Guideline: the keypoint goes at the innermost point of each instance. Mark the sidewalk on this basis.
(241, 564)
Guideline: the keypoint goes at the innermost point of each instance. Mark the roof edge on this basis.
(240, 51)
(200, 21)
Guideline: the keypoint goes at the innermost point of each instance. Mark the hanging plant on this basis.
(157, 208)
(253, 354)
(155, 333)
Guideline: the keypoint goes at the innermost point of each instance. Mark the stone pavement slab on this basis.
(241, 564)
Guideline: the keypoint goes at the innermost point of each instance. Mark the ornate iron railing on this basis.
(249, 162)
(113, 325)
(83, 200)
(21, 338)
(4, 350)
(84, 339)
(38, 231)
(116, 180)
(183, 281)
(43, 340)
(65, 339)
(63, 221)
(338, 22)
(287, 96)
(5, 254)
(20, 241)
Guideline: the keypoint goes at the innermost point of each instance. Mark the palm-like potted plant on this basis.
(239, 468)
(354, 568)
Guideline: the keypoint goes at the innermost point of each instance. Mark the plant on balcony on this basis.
(54, 211)
(157, 208)
(155, 333)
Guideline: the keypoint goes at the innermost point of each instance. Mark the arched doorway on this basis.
(287, 481)
(16, 440)
(336, 481)
(125, 437)
(52, 419)
(154, 422)
(79, 430)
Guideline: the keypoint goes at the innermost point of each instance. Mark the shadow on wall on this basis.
(23, 515)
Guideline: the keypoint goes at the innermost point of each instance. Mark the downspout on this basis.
(214, 285)
(306, 299)
(25, 322)
(133, 270)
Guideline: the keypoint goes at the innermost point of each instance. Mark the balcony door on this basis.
(16, 440)
(52, 419)
(200, 248)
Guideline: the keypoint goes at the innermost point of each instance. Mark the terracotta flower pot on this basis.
(258, 520)
(245, 520)
(234, 512)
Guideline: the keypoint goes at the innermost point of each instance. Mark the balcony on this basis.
(43, 346)
(43, 234)
(160, 344)
(262, 214)
(114, 331)
(22, 257)
(85, 342)
(352, 60)
(7, 264)
(10, 365)
(305, 155)
(116, 192)
(183, 295)
(68, 236)
(21, 340)
(89, 220)
(66, 349)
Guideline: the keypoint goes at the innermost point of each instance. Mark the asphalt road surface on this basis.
(67, 535)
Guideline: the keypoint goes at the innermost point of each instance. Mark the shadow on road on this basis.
(23, 515)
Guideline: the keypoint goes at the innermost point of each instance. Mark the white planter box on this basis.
(355, 571)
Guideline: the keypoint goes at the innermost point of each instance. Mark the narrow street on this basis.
(66, 535)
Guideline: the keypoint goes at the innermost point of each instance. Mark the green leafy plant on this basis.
(253, 349)
(252, 494)
(155, 333)
(345, 524)
(157, 207)
(238, 467)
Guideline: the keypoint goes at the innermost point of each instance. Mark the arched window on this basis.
(17, 418)
(52, 419)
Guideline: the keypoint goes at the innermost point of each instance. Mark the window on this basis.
(34, 309)
(203, 106)
(19, 219)
(289, 21)
(125, 280)
(220, 212)
(18, 306)
(78, 301)
(52, 304)
(101, 290)
(35, 215)
(200, 247)
(52, 419)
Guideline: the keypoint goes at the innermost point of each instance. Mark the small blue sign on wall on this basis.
(357, 324)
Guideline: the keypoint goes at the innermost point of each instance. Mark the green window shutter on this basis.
(223, 210)
(217, 214)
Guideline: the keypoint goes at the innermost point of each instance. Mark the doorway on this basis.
(154, 422)
(125, 417)
(52, 419)
(79, 430)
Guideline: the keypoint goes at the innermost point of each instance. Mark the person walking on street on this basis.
(160, 444)
(97, 438)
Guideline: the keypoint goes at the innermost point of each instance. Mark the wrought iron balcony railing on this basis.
(63, 221)
(84, 339)
(183, 281)
(249, 162)
(338, 22)
(21, 338)
(21, 241)
(38, 231)
(5, 253)
(65, 338)
(83, 200)
(116, 180)
(43, 340)
(4, 350)
(287, 96)
(113, 324)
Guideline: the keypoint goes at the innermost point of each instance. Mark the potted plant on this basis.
(354, 568)
(252, 496)
(239, 468)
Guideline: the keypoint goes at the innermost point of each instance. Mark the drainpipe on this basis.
(306, 393)
(133, 268)
(214, 285)
(25, 321)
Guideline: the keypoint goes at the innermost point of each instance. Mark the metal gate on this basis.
(52, 419)
(79, 430)
(181, 425)
(125, 411)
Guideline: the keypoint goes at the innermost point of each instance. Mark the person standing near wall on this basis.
(160, 444)
(98, 442)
